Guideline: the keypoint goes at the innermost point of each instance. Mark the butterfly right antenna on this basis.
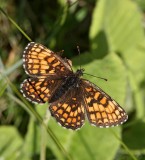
(96, 76)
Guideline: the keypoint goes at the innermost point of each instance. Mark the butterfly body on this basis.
(71, 81)
(71, 97)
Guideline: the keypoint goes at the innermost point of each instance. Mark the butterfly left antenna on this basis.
(78, 48)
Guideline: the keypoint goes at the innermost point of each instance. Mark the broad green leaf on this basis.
(118, 23)
(138, 104)
(83, 144)
(134, 60)
(10, 143)
(91, 142)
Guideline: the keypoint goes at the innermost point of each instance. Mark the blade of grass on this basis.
(3, 86)
(43, 136)
(15, 24)
(12, 68)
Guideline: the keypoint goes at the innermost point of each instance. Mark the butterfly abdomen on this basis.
(69, 82)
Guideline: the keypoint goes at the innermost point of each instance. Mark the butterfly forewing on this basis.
(69, 109)
(41, 61)
(101, 109)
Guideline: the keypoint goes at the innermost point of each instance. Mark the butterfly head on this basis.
(79, 72)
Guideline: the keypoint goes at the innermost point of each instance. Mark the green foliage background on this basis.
(111, 37)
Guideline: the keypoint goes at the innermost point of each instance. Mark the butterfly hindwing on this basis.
(101, 109)
(69, 109)
(41, 61)
(39, 90)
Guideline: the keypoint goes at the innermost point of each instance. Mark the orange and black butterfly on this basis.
(71, 98)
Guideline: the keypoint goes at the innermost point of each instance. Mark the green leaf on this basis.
(91, 142)
(133, 137)
(87, 143)
(10, 143)
(83, 144)
(138, 104)
(134, 59)
(118, 23)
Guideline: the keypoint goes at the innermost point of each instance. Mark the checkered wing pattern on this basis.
(39, 90)
(41, 61)
(52, 80)
(69, 110)
(101, 109)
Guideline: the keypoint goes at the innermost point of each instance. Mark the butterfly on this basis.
(71, 97)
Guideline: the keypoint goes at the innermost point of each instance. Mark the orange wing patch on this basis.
(40, 61)
(101, 109)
